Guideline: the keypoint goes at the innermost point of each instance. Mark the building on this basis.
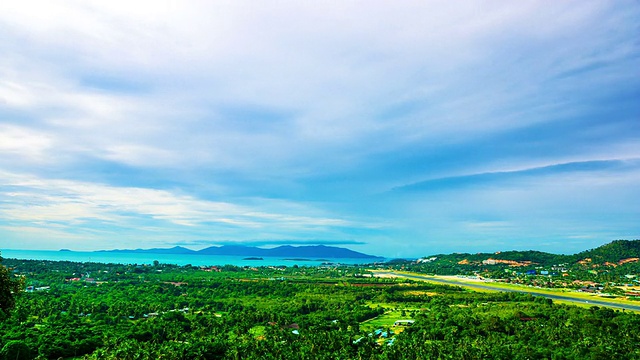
(403, 322)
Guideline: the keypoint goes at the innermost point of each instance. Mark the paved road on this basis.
(482, 286)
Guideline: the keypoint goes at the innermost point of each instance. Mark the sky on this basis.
(398, 129)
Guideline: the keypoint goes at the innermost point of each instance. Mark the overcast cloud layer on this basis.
(396, 129)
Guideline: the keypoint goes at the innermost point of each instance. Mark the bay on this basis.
(177, 259)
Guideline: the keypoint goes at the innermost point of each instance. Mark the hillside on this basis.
(613, 252)
(287, 251)
(311, 251)
(617, 252)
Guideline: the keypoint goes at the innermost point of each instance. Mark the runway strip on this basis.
(493, 288)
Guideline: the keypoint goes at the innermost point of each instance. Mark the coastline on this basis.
(177, 259)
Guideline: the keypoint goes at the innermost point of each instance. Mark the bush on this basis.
(15, 350)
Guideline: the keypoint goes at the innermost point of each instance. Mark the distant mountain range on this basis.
(310, 251)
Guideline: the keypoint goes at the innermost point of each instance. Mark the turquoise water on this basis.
(196, 260)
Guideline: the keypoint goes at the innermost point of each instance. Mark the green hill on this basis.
(612, 252)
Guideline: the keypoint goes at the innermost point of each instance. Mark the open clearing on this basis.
(386, 321)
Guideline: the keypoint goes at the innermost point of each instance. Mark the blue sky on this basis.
(396, 129)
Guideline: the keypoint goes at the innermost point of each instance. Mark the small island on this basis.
(253, 258)
(64, 250)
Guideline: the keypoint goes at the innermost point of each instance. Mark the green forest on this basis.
(109, 311)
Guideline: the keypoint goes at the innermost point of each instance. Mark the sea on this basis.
(177, 259)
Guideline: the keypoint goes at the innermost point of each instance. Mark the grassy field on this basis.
(386, 321)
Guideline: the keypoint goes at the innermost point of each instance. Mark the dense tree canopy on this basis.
(10, 286)
(109, 311)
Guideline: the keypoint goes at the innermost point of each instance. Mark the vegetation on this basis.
(10, 287)
(109, 311)
(612, 268)
(612, 252)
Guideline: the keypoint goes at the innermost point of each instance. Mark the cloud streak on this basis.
(499, 178)
(27, 199)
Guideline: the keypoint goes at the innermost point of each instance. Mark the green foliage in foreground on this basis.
(252, 314)
(10, 287)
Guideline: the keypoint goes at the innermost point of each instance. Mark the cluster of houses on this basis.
(183, 310)
(210, 268)
(39, 288)
(386, 336)
(403, 322)
(87, 280)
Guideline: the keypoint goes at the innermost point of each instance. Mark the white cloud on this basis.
(334, 66)
(23, 143)
(28, 198)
